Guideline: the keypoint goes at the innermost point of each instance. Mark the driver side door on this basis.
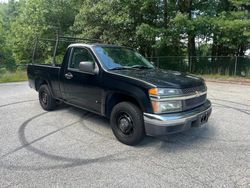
(80, 88)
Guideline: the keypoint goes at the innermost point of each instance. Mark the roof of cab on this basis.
(92, 45)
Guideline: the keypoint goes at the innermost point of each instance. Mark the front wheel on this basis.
(127, 123)
(46, 100)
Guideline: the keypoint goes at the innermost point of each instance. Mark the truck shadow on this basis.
(190, 139)
(100, 126)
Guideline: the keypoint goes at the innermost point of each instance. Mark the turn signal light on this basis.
(153, 91)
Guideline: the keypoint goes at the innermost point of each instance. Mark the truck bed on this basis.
(39, 73)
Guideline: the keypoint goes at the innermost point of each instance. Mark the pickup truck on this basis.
(120, 84)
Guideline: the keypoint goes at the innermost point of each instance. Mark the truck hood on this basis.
(163, 79)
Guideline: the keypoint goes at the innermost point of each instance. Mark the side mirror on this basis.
(88, 67)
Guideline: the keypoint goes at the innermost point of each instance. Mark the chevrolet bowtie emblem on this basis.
(197, 93)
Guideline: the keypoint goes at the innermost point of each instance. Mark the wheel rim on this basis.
(125, 124)
(44, 98)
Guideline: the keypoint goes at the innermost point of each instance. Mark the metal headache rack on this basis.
(65, 39)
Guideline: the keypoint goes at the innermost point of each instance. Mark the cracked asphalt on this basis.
(70, 147)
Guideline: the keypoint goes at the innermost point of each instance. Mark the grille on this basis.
(194, 102)
(194, 89)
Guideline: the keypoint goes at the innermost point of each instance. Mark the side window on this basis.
(79, 55)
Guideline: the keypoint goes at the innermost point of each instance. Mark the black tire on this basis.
(46, 100)
(127, 123)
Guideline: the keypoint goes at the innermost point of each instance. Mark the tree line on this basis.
(153, 27)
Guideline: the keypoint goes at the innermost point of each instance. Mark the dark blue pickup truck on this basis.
(120, 84)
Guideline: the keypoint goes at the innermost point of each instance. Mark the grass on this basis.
(13, 76)
(224, 77)
(227, 79)
(216, 76)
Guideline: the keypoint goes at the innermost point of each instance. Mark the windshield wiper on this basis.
(132, 67)
(120, 68)
(141, 67)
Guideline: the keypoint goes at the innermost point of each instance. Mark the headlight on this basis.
(166, 106)
(164, 92)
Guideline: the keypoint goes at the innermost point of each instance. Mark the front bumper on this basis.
(163, 124)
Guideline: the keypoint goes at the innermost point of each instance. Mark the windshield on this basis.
(121, 58)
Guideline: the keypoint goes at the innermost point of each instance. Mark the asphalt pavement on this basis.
(70, 147)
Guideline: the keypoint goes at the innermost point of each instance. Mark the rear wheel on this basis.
(127, 123)
(46, 100)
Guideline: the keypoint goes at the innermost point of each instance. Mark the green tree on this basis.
(2, 41)
(231, 28)
(154, 27)
(6, 58)
(42, 18)
(131, 23)
(106, 20)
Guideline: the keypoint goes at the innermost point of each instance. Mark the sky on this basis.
(3, 1)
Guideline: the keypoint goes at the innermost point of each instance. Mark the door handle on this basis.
(69, 76)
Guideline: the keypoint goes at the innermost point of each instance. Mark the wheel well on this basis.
(115, 98)
(40, 82)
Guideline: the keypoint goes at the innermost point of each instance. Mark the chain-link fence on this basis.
(230, 66)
